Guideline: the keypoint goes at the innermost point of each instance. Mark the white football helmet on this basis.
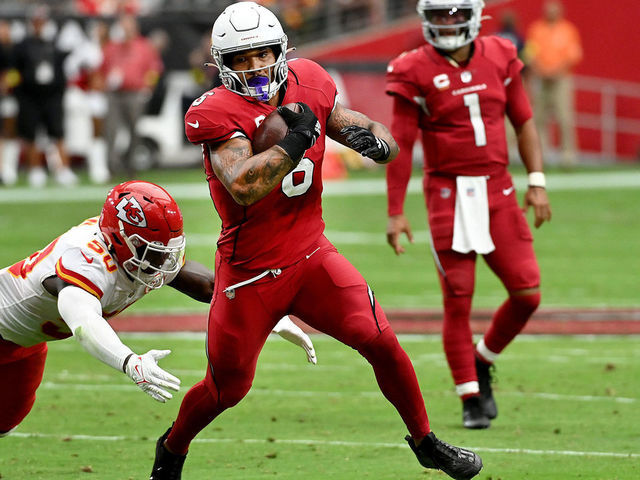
(245, 26)
(440, 34)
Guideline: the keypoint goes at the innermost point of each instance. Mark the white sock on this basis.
(467, 388)
(485, 353)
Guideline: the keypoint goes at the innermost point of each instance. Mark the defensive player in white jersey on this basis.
(89, 274)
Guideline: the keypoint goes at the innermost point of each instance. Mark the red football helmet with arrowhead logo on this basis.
(142, 226)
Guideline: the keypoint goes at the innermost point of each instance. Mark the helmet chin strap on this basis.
(125, 237)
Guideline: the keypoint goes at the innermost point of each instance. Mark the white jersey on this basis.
(29, 314)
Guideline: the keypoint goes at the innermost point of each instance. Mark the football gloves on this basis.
(145, 372)
(363, 141)
(304, 130)
(291, 332)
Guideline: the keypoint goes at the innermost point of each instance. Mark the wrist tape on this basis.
(537, 179)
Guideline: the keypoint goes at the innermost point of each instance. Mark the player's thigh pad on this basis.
(458, 279)
(440, 196)
(513, 260)
(335, 299)
(239, 325)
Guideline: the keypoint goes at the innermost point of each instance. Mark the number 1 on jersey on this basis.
(472, 102)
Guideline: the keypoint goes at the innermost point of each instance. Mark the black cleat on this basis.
(485, 379)
(473, 416)
(167, 465)
(456, 462)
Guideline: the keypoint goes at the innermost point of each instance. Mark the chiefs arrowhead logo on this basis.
(130, 211)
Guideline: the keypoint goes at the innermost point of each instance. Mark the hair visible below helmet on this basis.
(142, 226)
(244, 26)
(465, 32)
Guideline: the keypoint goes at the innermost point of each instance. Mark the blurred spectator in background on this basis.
(9, 148)
(553, 47)
(9, 78)
(205, 75)
(357, 13)
(106, 8)
(131, 69)
(160, 40)
(509, 30)
(42, 83)
(85, 93)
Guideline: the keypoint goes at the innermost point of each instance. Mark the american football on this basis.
(271, 130)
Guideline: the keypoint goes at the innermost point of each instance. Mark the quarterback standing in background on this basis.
(272, 255)
(89, 274)
(456, 90)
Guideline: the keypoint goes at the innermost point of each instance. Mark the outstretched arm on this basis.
(194, 280)
(82, 312)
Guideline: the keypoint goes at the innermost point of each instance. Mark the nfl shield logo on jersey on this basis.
(466, 76)
(130, 211)
(445, 192)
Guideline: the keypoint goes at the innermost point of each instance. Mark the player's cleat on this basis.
(473, 416)
(485, 379)
(167, 465)
(456, 462)
(6, 433)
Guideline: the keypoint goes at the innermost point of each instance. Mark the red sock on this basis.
(509, 320)
(198, 409)
(397, 380)
(458, 340)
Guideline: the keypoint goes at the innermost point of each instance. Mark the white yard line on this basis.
(199, 190)
(48, 385)
(332, 443)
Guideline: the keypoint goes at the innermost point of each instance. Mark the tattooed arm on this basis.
(342, 117)
(248, 177)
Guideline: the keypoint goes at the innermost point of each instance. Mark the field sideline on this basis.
(544, 321)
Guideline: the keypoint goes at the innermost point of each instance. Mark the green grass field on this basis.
(568, 409)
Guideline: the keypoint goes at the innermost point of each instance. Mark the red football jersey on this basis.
(463, 107)
(277, 230)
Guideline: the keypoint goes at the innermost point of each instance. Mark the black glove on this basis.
(304, 130)
(363, 141)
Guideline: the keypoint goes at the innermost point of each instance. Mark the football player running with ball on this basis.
(457, 89)
(90, 274)
(272, 254)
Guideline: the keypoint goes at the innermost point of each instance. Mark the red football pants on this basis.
(327, 293)
(513, 261)
(21, 370)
